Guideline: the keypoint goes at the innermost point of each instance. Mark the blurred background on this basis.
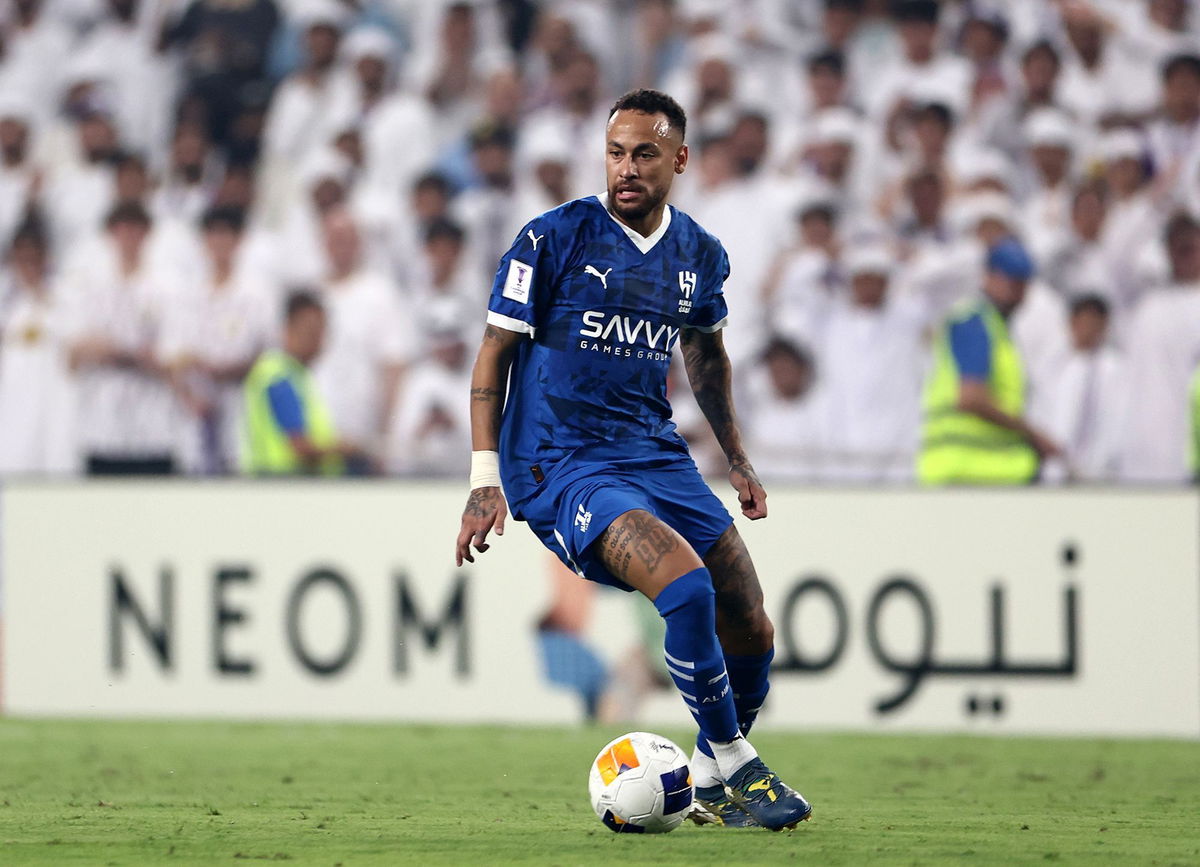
(171, 172)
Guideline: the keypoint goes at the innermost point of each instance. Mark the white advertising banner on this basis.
(1019, 611)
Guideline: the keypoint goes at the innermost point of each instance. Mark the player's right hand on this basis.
(485, 510)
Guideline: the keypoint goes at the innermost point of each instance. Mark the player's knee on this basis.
(692, 589)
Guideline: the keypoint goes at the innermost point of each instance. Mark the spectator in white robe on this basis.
(143, 82)
(1163, 351)
(1088, 399)
(19, 177)
(430, 432)
(485, 209)
(805, 275)
(1049, 137)
(1135, 215)
(870, 347)
(35, 42)
(449, 286)
(780, 415)
(36, 419)
(1173, 135)
(220, 323)
(920, 70)
(1080, 263)
(393, 118)
(1099, 83)
(304, 112)
(457, 45)
(127, 412)
(1000, 122)
(579, 111)
(370, 339)
(79, 193)
(190, 179)
(542, 176)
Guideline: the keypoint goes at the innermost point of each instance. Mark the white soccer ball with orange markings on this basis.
(641, 783)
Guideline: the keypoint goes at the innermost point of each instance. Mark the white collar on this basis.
(645, 243)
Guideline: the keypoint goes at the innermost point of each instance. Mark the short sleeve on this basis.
(971, 348)
(711, 312)
(285, 407)
(524, 279)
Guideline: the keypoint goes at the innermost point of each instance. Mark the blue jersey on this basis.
(604, 307)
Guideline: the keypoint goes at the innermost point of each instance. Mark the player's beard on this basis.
(650, 199)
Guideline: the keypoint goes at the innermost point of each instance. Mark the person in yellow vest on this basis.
(288, 429)
(975, 431)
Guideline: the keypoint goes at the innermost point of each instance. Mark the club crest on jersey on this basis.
(687, 285)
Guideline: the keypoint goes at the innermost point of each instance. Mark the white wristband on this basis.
(485, 469)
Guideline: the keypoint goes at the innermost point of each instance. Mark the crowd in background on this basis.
(170, 171)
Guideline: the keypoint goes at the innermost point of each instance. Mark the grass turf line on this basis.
(101, 792)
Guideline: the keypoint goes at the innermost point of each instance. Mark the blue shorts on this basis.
(579, 501)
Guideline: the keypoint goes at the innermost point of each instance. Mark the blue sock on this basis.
(748, 678)
(694, 659)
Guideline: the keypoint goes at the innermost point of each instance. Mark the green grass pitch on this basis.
(100, 792)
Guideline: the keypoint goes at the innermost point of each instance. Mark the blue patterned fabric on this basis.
(603, 317)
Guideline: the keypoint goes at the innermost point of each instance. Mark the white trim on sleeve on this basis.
(707, 329)
(508, 323)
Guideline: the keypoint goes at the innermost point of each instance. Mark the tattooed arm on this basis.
(486, 508)
(710, 375)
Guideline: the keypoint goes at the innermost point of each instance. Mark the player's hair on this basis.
(1185, 62)
(852, 5)
(1090, 301)
(300, 300)
(224, 217)
(649, 101)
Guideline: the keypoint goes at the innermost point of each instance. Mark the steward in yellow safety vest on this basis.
(288, 428)
(974, 430)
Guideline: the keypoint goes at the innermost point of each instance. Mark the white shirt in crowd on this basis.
(430, 430)
(36, 406)
(1163, 348)
(1087, 412)
(122, 413)
(784, 436)
(368, 332)
(223, 326)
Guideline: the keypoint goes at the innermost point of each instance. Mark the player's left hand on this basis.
(749, 489)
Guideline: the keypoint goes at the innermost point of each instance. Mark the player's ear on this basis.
(681, 159)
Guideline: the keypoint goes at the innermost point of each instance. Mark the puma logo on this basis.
(534, 238)
(590, 269)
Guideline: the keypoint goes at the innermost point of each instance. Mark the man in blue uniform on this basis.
(569, 409)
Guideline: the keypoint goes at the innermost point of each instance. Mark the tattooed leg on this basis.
(645, 553)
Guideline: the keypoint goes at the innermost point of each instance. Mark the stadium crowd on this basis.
(169, 172)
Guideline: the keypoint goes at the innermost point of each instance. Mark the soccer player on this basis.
(569, 408)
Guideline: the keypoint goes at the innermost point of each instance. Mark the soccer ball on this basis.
(641, 783)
